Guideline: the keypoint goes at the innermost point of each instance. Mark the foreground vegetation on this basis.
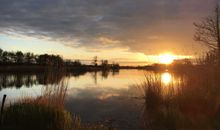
(46, 112)
(33, 114)
(189, 102)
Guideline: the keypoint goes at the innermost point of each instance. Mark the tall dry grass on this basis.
(45, 112)
(54, 95)
(191, 103)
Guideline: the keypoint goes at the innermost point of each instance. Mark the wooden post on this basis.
(2, 107)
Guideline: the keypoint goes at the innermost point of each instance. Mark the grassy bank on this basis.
(45, 112)
(35, 115)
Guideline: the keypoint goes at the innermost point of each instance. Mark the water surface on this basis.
(110, 98)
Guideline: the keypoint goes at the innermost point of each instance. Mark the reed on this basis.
(45, 112)
(191, 103)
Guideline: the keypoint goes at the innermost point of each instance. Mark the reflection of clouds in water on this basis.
(106, 96)
(100, 92)
(95, 104)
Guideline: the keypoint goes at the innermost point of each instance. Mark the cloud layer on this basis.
(104, 24)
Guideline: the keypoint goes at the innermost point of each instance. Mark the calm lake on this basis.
(110, 98)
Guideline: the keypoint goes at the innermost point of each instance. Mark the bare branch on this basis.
(207, 31)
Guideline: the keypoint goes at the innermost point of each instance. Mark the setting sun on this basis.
(166, 58)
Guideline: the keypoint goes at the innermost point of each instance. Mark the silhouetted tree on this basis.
(115, 66)
(43, 59)
(77, 63)
(95, 60)
(68, 62)
(19, 57)
(5, 58)
(57, 61)
(208, 31)
(104, 63)
(50, 60)
(1, 52)
(29, 58)
(11, 57)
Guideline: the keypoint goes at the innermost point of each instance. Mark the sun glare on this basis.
(166, 78)
(166, 58)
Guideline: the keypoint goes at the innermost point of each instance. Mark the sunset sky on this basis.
(119, 30)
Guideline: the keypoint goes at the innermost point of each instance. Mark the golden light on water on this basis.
(166, 78)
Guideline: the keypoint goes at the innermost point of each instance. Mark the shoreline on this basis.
(87, 68)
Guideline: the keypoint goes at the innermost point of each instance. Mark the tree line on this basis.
(20, 58)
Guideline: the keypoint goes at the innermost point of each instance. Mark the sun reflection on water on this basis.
(166, 78)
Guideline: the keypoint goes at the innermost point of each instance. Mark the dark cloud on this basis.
(101, 23)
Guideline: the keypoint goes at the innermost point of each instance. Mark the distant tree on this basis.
(73, 63)
(56, 61)
(29, 58)
(68, 62)
(77, 63)
(8, 58)
(208, 31)
(11, 57)
(104, 63)
(5, 58)
(115, 66)
(43, 59)
(95, 60)
(50, 60)
(1, 52)
(19, 57)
